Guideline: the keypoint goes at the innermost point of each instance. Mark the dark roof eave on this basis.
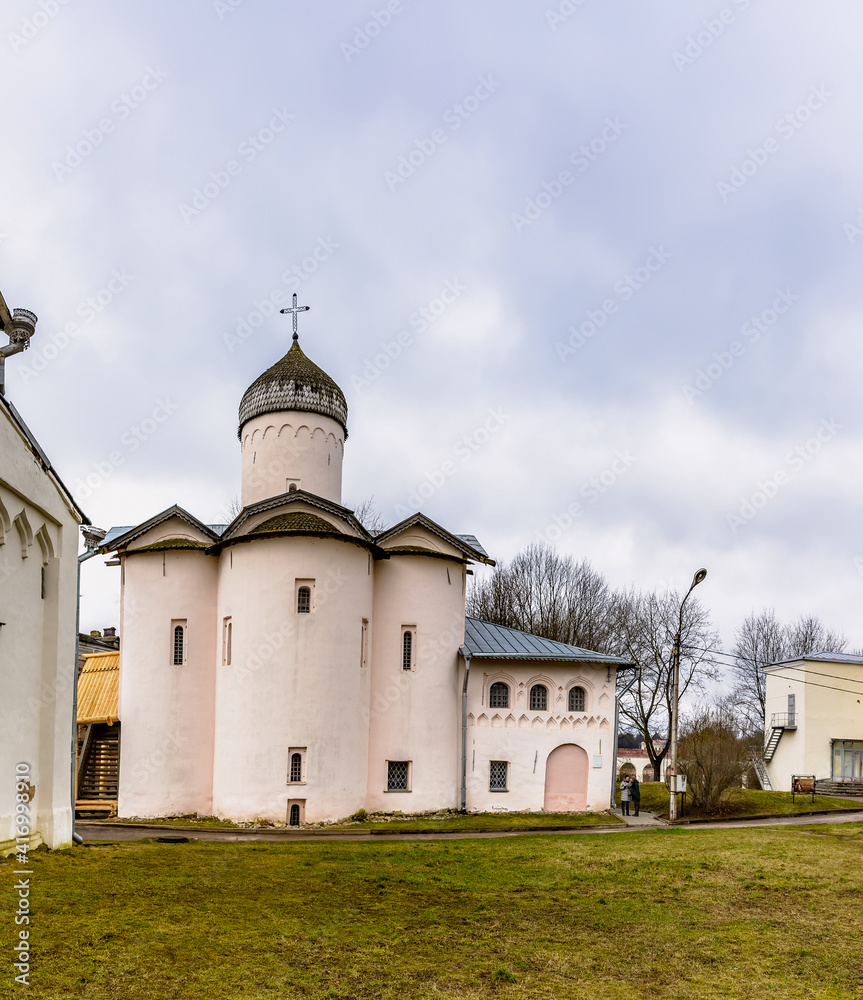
(376, 552)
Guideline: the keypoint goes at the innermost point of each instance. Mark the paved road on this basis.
(102, 831)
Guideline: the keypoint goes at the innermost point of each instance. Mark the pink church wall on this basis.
(415, 713)
(166, 710)
(295, 680)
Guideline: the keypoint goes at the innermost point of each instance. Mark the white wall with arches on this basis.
(506, 730)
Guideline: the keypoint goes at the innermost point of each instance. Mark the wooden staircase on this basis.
(99, 769)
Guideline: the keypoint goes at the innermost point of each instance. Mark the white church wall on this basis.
(524, 738)
(38, 572)
(166, 708)
(295, 681)
(414, 713)
(281, 449)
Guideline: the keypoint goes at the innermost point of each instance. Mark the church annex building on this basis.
(293, 667)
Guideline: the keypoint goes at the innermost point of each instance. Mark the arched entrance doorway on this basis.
(566, 779)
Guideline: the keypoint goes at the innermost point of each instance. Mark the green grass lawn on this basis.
(449, 822)
(754, 913)
(740, 803)
(487, 821)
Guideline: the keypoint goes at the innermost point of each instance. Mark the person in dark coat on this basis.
(635, 794)
(624, 796)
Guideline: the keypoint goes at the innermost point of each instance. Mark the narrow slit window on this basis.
(364, 644)
(407, 650)
(304, 601)
(179, 645)
(227, 637)
(296, 767)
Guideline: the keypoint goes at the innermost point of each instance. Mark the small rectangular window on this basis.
(398, 775)
(227, 636)
(498, 772)
(179, 643)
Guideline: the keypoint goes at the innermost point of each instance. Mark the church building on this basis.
(294, 667)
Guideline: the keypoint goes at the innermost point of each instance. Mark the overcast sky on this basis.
(586, 271)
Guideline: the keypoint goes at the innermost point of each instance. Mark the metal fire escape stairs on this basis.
(779, 722)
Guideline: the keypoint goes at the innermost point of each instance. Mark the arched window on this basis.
(304, 601)
(295, 815)
(577, 699)
(296, 767)
(498, 695)
(407, 649)
(539, 698)
(178, 645)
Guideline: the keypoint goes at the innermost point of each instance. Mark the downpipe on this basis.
(465, 653)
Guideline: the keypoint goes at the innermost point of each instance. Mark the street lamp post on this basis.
(675, 656)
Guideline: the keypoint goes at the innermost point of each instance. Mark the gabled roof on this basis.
(466, 544)
(120, 538)
(235, 528)
(485, 640)
(98, 688)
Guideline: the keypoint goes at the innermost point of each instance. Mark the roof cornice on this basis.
(420, 520)
(122, 541)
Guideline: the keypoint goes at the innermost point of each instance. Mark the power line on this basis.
(830, 687)
(833, 677)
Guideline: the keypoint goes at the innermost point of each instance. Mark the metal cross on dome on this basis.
(294, 310)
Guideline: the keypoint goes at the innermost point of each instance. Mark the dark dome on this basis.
(294, 383)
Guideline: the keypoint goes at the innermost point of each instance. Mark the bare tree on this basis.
(712, 753)
(645, 626)
(547, 594)
(762, 639)
(233, 507)
(370, 517)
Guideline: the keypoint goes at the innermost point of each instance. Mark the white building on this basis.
(39, 524)
(813, 719)
(293, 667)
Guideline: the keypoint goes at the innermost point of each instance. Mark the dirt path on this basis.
(102, 831)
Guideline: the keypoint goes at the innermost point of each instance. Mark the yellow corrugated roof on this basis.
(98, 688)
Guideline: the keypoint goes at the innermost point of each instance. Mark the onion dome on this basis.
(294, 383)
